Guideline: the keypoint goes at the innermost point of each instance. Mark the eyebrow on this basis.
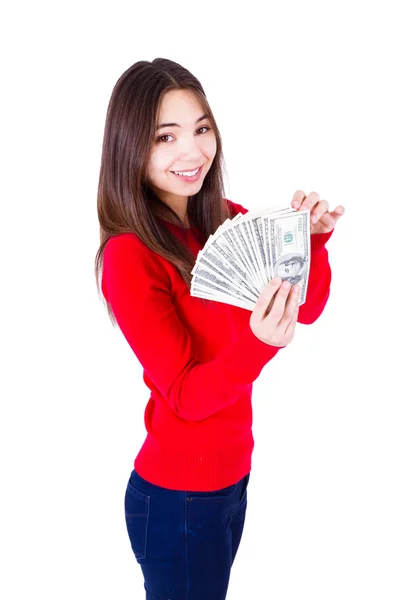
(161, 125)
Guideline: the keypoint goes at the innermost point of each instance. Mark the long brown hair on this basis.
(125, 203)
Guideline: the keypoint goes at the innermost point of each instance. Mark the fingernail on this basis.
(286, 285)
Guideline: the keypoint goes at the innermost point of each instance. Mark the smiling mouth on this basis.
(196, 170)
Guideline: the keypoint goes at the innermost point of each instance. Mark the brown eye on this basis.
(159, 139)
(163, 136)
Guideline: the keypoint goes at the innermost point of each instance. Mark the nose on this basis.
(189, 150)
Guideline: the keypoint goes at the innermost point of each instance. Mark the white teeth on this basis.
(187, 173)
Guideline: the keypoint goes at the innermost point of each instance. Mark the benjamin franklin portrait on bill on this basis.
(290, 267)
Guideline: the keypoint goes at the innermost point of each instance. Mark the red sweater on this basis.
(199, 361)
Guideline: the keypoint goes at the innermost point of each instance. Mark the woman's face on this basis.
(183, 148)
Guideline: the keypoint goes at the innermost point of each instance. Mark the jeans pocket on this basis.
(214, 495)
(137, 512)
(243, 494)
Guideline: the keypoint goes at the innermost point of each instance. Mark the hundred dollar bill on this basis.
(210, 279)
(253, 220)
(227, 247)
(212, 260)
(199, 292)
(287, 247)
(247, 251)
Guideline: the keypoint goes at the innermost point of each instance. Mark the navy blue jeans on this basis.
(185, 542)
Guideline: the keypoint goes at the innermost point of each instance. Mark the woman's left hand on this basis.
(321, 220)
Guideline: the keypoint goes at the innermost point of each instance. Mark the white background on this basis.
(306, 97)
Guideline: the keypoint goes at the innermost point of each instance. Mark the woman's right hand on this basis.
(273, 319)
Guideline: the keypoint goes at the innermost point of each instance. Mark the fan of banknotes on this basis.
(246, 252)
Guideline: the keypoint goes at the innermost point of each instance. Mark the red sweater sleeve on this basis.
(138, 289)
(319, 280)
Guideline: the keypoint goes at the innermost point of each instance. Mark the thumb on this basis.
(265, 299)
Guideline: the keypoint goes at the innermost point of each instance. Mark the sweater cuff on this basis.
(318, 240)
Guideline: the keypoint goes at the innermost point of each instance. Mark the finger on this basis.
(318, 210)
(310, 201)
(329, 219)
(278, 307)
(298, 197)
(290, 328)
(291, 304)
(338, 212)
(265, 297)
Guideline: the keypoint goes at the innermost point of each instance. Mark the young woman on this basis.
(186, 498)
